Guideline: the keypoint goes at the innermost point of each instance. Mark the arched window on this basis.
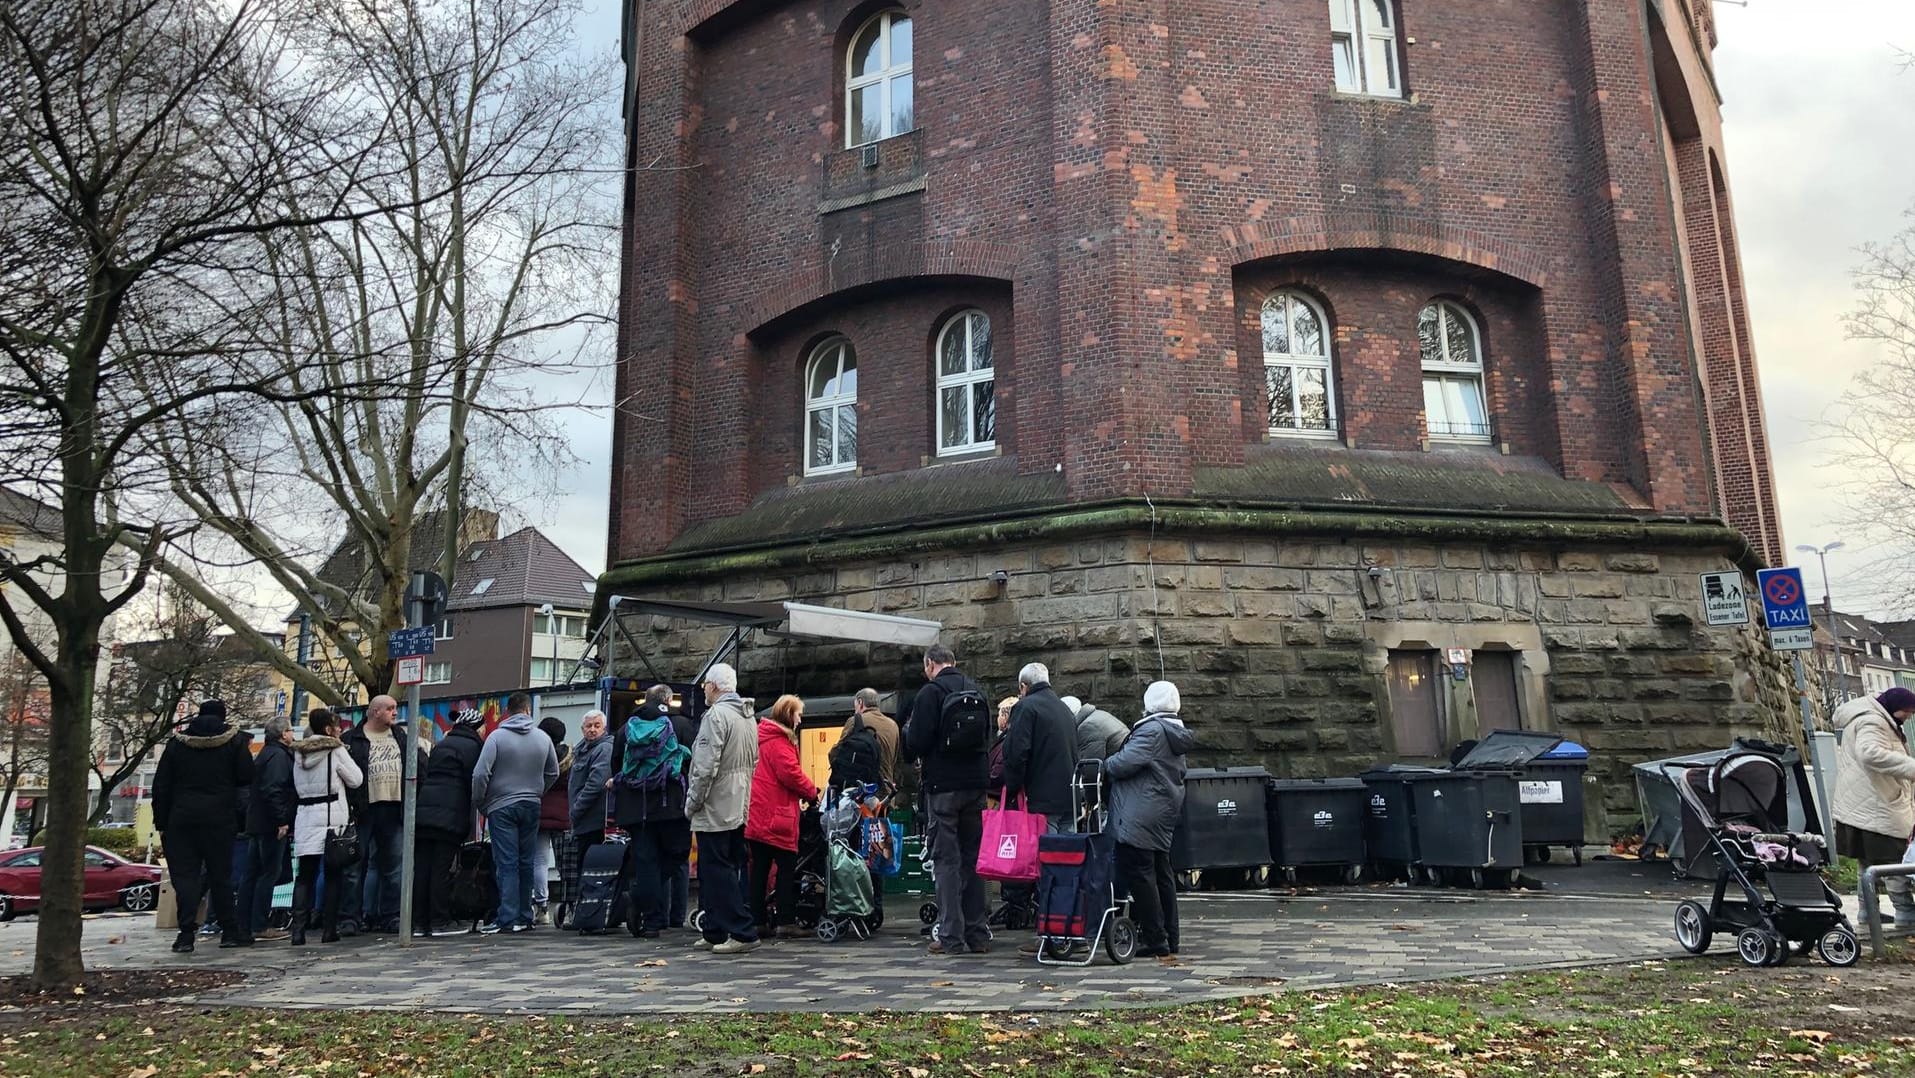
(1452, 373)
(831, 409)
(967, 385)
(878, 88)
(1296, 366)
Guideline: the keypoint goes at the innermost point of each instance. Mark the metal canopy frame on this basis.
(786, 621)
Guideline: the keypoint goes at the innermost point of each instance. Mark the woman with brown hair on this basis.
(771, 823)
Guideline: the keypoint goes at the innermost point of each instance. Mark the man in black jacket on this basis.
(1040, 759)
(271, 805)
(956, 769)
(194, 790)
(445, 820)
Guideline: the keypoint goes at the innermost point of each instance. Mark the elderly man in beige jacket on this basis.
(1875, 788)
(716, 796)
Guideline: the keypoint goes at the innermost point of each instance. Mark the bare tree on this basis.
(24, 713)
(1871, 449)
(175, 658)
(148, 147)
(468, 305)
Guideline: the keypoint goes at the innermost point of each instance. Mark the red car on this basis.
(110, 881)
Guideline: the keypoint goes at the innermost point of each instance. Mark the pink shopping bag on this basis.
(1009, 850)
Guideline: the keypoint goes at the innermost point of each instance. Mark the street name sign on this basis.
(407, 643)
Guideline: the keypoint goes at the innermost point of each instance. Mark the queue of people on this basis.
(326, 805)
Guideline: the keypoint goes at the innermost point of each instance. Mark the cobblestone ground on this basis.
(1233, 944)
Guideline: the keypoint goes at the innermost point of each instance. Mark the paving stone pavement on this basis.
(1233, 945)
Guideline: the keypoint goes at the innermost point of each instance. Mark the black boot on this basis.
(233, 939)
(298, 928)
(183, 943)
(330, 926)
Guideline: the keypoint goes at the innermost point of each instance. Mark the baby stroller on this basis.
(847, 896)
(1740, 804)
(1078, 906)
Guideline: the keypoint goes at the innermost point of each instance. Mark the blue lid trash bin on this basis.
(1318, 823)
(1550, 772)
(1224, 829)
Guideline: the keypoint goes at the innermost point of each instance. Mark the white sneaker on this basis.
(701, 944)
(735, 947)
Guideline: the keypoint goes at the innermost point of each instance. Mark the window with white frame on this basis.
(1452, 373)
(549, 671)
(561, 624)
(878, 86)
(439, 673)
(1296, 366)
(831, 409)
(1363, 47)
(443, 631)
(967, 385)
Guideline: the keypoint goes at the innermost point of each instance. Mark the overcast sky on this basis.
(1821, 151)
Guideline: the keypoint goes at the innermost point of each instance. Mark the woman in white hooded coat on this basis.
(1875, 788)
(323, 771)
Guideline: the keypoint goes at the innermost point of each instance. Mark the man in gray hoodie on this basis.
(516, 766)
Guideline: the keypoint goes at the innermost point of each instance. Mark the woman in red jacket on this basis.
(771, 821)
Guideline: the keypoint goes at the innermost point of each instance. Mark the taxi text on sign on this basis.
(1785, 609)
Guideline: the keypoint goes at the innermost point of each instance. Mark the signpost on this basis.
(1723, 600)
(425, 606)
(1785, 609)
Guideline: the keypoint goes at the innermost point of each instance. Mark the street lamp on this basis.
(551, 626)
(1835, 639)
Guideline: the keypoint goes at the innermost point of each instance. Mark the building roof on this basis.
(29, 513)
(522, 569)
(349, 568)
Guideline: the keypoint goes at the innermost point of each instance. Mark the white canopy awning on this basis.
(804, 619)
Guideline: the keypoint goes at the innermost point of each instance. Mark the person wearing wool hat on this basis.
(195, 795)
(1146, 800)
(445, 819)
(1875, 788)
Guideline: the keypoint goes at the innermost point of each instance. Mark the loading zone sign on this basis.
(1723, 600)
(1785, 609)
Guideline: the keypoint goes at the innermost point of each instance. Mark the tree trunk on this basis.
(57, 965)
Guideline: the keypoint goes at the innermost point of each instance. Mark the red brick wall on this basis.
(1120, 172)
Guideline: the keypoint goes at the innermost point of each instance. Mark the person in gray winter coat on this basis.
(1146, 801)
(516, 766)
(1099, 733)
(586, 789)
(717, 796)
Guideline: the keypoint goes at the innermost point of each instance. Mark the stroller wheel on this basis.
(1693, 928)
(1757, 946)
(698, 920)
(928, 913)
(1121, 941)
(1353, 874)
(828, 930)
(876, 920)
(1839, 947)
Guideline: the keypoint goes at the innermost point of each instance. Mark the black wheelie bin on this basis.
(1224, 836)
(1389, 822)
(1549, 774)
(1467, 823)
(1318, 823)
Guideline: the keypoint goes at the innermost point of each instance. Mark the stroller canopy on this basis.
(1743, 788)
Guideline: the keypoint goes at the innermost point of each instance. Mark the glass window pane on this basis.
(951, 350)
(847, 434)
(952, 408)
(1457, 332)
(867, 113)
(1313, 399)
(1428, 336)
(1381, 17)
(1276, 329)
(984, 412)
(1280, 383)
(1343, 58)
(823, 368)
(981, 359)
(820, 439)
(1306, 330)
(900, 41)
(1342, 16)
(848, 381)
(1433, 407)
(866, 57)
(903, 113)
(1469, 405)
(1380, 65)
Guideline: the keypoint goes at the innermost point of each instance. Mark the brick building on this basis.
(1282, 346)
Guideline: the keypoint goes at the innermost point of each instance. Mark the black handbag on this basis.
(342, 844)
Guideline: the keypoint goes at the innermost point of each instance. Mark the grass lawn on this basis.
(1707, 1017)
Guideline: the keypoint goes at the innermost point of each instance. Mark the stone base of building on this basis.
(1310, 652)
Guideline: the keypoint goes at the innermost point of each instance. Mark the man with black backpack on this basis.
(950, 734)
